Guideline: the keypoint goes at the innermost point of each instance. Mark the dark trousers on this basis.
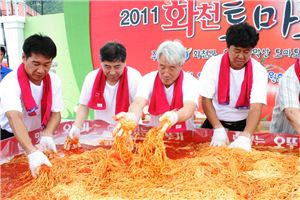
(233, 126)
(5, 134)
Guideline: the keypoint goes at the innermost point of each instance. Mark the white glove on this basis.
(219, 137)
(241, 142)
(74, 132)
(128, 116)
(36, 159)
(172, 117)
(47, 143)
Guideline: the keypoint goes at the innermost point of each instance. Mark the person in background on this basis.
(233, 87)
(168, 90)
(286, 113)
(108, 90)
(31, 99)
(3, 69)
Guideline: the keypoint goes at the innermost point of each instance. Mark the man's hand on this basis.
(72, 140)
(37, 159)
(171, 117)
(242, 142)
(74, 132)
(219, 138)
(127, 121)
(47, 143)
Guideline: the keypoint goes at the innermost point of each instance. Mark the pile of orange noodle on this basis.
(143, 170)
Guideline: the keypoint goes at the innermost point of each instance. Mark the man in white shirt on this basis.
(30, 99)
(168, 91)
(233, 87)
(107, 90)
(3, 69)
(286, 113)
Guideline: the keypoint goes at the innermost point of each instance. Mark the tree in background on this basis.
(46, 6)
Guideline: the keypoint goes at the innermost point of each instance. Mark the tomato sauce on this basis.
(12, 173)
(179, 151)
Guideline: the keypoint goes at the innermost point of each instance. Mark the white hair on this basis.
(173, 51)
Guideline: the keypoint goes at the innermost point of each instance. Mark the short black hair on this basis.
(39, 44)
(242, 35)
(3, 50)
(113, 51)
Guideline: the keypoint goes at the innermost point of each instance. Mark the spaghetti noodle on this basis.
(144, 171)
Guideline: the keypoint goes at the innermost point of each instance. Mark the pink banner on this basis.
(11, 147)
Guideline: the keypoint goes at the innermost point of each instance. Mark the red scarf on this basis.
(28, 100)
(243, 101)
(297, 69)
(159, 103)
(97, 100)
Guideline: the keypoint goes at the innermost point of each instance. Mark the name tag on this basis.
(177, 126)
(99, 105)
